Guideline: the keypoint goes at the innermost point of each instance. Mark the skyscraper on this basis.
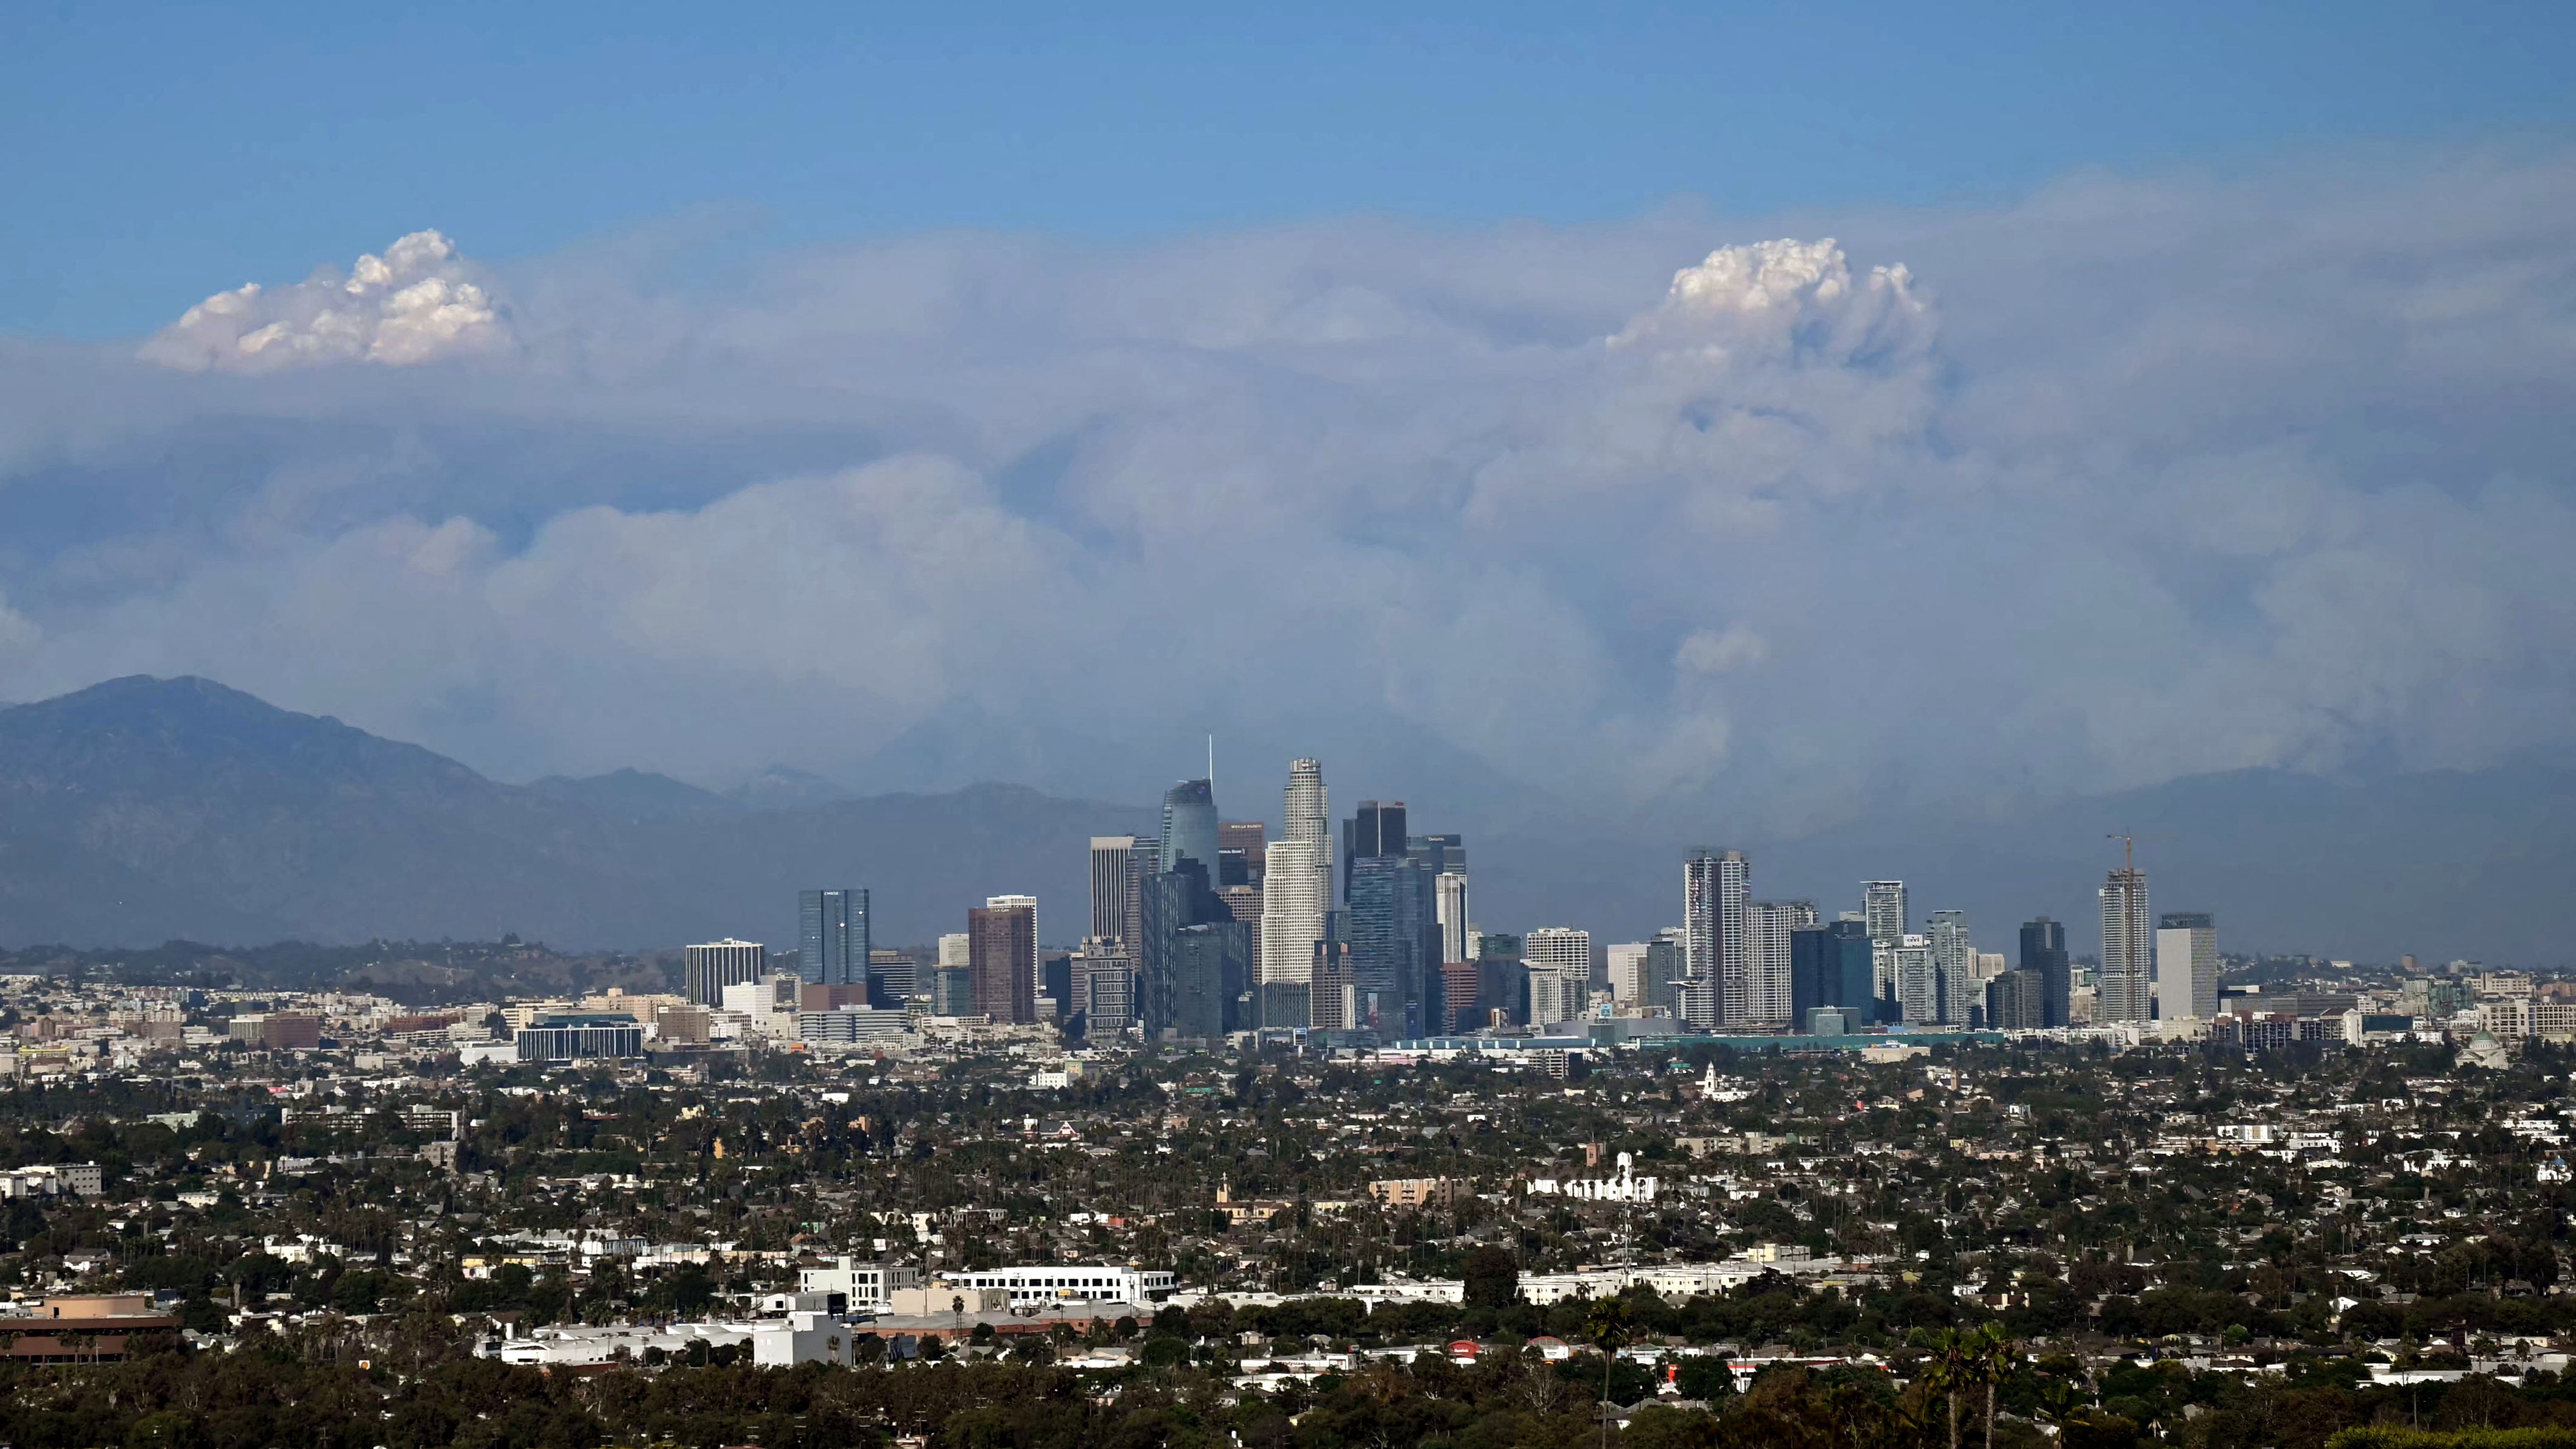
(1770, 993)
(1667, 967)
(1703, 910)
(1626, 963)
(1307, 812)
(2186, 966)
(1882, 904)
(1239, 847)
(1002, 960)
(1394, 933)
(1916, 978)
(2128, 969)
(707, 970)
(1952, 958)
(1029, 903)
(1210, 966)
(1243, 903)
(1375, 829)
(1735, 985)
(1829, 965)
(2043, 955)
(1437, 854)
(1449, 897)
(832, 927)
(1559, 959)
(1104, 985)
(1296, 896)
(1113, 883)
(1189, 826)
(2015, 1002)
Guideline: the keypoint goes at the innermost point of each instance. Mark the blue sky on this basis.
(155, 152)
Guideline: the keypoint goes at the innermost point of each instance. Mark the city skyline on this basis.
(1262, 944)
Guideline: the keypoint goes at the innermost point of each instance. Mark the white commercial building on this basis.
(1074, 1282)
(2186, 967)
(1559, 948)
(864, 1284)
(1627, 962)
(706, 970)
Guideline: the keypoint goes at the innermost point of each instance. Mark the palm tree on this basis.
(1607, 1326)
(1997, 1357)
(1949, 1369)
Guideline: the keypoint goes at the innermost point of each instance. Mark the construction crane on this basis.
(2129, 848)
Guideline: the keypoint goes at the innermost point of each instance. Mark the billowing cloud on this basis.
(2126, 480)
(418, 302)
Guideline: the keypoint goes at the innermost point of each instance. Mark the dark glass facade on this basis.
(2043, 955)
(832, 937)
(1829, 965)
(1395, 944)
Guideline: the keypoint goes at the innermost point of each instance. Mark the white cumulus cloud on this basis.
(420, 301)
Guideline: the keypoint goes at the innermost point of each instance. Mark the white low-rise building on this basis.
(1075, 1282)
(864, 1285)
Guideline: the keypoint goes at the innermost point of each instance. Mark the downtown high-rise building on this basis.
(1624, 962)
(1769, 982)
(2186, 966)
(832, 937)
(1375, 829)
(1882, 909)
(1703, 910)
(1915, 978)
(1449, 903)
(1394, 936)
(1104, 985)
(1953, 961)
(2043, 956)
(1002, 959)
(1829, 965)
(1113, 885)
(1439, 854)
(1559, 962)
(706, 971)
(1240, 845)
(2126, 990)
(1667, 966)
(1189, 827)
(1296, 899)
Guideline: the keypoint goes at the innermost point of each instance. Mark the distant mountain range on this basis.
(141, 810)
(144, 809)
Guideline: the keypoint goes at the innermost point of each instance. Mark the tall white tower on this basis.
(2127, 982)
(1297, 879)
(1449, 898)
(1882, 906)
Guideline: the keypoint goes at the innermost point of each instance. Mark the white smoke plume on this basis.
(419, 302)
(2123, 481)
(1787, 298)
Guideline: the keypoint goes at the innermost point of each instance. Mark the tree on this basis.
(1607, 1326)
(1493, 1278)
(1996, 1358)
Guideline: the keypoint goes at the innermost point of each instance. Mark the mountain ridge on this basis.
(141, 810)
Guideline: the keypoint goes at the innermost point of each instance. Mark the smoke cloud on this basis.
(1686, 519)
(416, 303)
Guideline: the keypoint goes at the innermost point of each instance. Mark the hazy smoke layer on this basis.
(2129, 480)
